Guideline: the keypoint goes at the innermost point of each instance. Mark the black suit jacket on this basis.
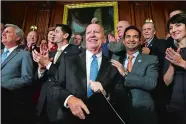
(71, 79)
(45, 100)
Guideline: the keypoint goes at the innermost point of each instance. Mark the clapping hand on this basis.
(41, 58)
(145, 50)
(43, 48)
(111, 38)
(174, 57)
(119, 66)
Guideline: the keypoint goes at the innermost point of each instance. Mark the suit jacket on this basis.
(45, 100)
(71, 79)
(117, 49)
(16, 76)
(141, 80)
(158, 47)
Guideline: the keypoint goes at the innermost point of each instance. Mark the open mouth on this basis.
(93, 40)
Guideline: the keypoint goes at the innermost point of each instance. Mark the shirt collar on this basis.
(135, 54)
(62, 47)
(150, 40)
(11, 49)
(89, 54)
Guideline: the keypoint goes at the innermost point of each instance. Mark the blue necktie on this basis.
(4, 55)
(93, 73)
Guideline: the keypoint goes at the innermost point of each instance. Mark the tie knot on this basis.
(131, 57)
(146, 44)
(6, 51)
(94, 56)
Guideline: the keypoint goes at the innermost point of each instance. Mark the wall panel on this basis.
(45, 14)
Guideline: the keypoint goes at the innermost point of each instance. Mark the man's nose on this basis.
(131, 39)
(92, 34)
(3, 33)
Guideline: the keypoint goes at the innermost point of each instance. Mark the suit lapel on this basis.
(137, 62)
(65, 51)
(152, 42)
(52, 54)
(103, 68)
(83, 70)
(14, 52)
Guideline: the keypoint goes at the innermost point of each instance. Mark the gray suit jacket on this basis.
(16, 74)
(141, 81)
(118, 49)
(17, 70)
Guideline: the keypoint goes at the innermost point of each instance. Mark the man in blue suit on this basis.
(16, 75)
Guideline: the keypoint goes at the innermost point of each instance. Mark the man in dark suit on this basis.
(140, 72)
(78, 77)
(47, 108)
(16, 75)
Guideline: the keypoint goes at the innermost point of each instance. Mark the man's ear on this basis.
(66, 35)
(17, 38)
(154, 32)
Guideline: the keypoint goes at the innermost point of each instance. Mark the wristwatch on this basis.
(125, 74)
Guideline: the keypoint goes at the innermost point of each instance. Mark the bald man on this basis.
(80, 85)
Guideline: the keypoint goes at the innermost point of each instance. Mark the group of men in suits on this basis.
(70, 75)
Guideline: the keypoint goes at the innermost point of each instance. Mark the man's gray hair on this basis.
(19, 32)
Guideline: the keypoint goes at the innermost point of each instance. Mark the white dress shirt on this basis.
(10, 50)
(88, 64)
(41, 72)
(133, 60)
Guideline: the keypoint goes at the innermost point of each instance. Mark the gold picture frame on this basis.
(106, 12)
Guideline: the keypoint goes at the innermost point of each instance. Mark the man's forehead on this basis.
(94, 27)
(132, 32)
(32, 32)
(147, 25)
(9, 28)
(58, 28)
(123, 23)
(77, 35)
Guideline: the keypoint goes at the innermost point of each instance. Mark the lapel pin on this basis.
(65, 52)
(139, 60)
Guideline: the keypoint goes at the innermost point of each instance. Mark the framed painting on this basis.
(79, 16)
